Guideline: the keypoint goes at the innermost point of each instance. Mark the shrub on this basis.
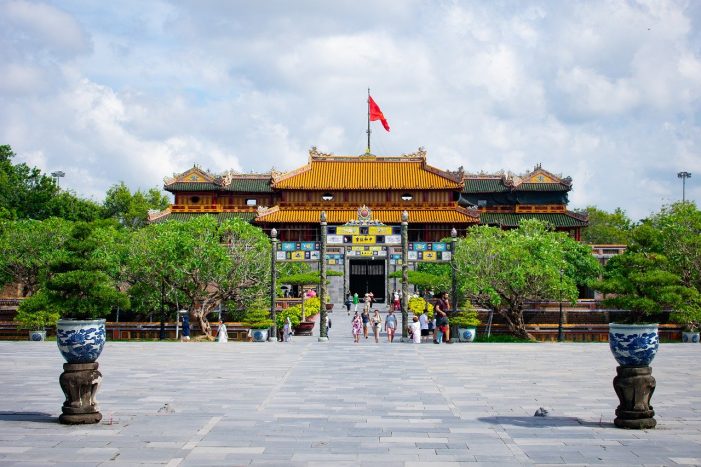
(417, 305)
(258, 318)
(466, 317)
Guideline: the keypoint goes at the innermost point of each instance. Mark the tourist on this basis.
(186, 328)
(287, 330)
(348, 302)
(397, 304)
(222, 335)
(372, 298)
(415, 330)
(390, 325)
(367, 302)
(423, 321)
(376, 324)
(365, 317)
(357, 325)
(444, 305)
(328, 325)
(355, 302)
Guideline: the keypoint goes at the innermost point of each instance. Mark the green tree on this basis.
(642, 281)
(27, 247)
(503, 270)
(203, 264)
(131, 209)
(81, 283)
(606, 228)
(679, 228)
(70, 206)
(24, 190)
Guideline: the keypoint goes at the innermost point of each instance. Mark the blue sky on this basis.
(608, 93)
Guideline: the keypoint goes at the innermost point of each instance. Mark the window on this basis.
(251, 202)
(407, 197)
(327, 196)
(194, 199)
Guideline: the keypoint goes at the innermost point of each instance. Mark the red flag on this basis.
(376, 113)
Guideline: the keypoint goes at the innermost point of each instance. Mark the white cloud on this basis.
(607, 92)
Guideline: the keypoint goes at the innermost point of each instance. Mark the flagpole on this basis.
(368, 151)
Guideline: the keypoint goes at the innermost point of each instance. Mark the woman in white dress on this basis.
(222, 336)
(287, 330)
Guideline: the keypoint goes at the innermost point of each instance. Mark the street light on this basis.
(684, 176)
(57, 175)
(560, 334)
(453, 238)
(273, 329)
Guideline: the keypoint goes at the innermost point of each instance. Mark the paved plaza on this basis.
(340, 403)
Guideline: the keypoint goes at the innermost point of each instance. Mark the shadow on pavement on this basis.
(38, 417)
(544, 422)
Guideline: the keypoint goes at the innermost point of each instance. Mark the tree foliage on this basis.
(607, 228)
(202, 264)
(24, 191)
(27, 247)
(657, 272)
(503, 270)
(131, 209)
(79, 284)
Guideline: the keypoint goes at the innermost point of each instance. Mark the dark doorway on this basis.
(368, 276)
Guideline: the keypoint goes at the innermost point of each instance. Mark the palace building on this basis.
(436, 201)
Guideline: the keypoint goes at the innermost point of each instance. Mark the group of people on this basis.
(363, 322)
(420, 328)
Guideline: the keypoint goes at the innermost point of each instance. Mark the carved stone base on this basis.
(79, 382)
(634, 387)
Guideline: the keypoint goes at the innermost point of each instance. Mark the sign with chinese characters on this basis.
(370, 251)
(298, 251)
(423, 251)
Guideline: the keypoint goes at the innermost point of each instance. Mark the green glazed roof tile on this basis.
(513, 219)
(221, 216)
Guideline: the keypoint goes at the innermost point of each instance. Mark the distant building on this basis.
(436, 200)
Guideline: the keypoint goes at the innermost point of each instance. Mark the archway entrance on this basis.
(368, 276)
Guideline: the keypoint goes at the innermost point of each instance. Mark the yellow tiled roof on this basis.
(456, 215)
(367, 173)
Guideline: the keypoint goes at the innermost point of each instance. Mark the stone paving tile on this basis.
(309, 403)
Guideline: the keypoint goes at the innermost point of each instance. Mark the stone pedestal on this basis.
(634, 387)
(79, 382)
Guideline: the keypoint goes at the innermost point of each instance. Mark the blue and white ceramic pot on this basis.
(690, 337)
(80, 341)
(467, 334)
(37, 336)
(259, 335)
(634, 344)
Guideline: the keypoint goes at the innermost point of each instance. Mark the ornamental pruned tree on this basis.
(606, 228)
(646, 283)
(504, 270)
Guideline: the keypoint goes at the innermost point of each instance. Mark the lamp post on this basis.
(453, 296)
(323, 330)
(273, 329)
(57, 176)
(560, 335)
(684, 176)
(405, 276)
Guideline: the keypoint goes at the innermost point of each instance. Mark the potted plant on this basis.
(35, 315)
(689, 317)
(258, 319)
(466, 322)
(83, 294)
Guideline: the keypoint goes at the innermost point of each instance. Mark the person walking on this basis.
(328, 325)
(357, 326)
(222, 335)
(186, 328)
(367, 301)
(376, 324)
(287, 330)
(348, 302)
(365, 317)
(390, 325)
(397, 303)
(444, 305)
(415, 330)
(423, 322)
(355, 301)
